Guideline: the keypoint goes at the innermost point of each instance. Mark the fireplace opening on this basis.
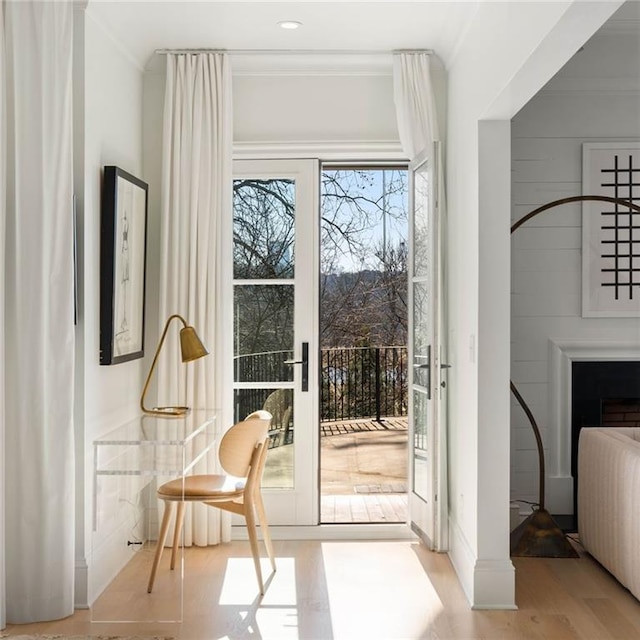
(603, 394)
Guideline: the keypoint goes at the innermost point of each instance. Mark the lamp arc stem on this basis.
(516, 225)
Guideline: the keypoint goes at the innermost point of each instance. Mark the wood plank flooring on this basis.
(363, 508)
(357, 590)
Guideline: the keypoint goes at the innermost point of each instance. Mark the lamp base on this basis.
(540, 537)
(167, 411)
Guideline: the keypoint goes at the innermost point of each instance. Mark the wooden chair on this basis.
(242, 454)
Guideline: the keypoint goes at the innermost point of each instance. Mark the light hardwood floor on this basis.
(358, 590)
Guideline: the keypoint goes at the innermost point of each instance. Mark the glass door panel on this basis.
(273, 214)
(425, 373)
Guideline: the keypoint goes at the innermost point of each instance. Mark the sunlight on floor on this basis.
(357, 574)
(378, 607)
(276, 616)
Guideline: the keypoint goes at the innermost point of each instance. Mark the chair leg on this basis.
(250, 518)
(264, 526)
(177, 530)
(162, 536)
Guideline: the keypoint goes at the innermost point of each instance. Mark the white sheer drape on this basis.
(3, 217)
(415, 102)
(38, 312)
(196, 195)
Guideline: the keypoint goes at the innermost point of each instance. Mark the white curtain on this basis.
(38, 312)
(3, 217)
(196, 195)
(415, 102)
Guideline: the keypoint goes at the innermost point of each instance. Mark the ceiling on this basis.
(147, 25)
(143, 26)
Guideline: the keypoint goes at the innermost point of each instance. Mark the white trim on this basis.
(334, 532)
(562, 353)
(321, 63)
(495, 581)
(325, 150)
(492, 580)
(462, 558)
(81, 586)
(108, 32)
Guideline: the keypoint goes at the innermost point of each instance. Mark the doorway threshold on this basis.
(397, 531)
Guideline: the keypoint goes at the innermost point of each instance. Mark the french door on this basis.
(275, 263)
(427, 383)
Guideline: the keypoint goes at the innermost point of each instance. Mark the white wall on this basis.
(594, 98)
(107, 395)
(510, 51)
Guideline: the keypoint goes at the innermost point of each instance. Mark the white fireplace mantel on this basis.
(562, 353)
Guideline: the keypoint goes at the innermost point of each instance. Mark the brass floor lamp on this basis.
(539, 535)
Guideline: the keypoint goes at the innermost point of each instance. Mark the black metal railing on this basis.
(356, 382)
(363, 382)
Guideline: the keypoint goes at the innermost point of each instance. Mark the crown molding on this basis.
(327, 150)
(312, 64)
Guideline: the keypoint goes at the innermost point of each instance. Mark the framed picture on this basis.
(611, 231)
(122, 266)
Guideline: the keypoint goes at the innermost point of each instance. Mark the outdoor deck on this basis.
(364, 471)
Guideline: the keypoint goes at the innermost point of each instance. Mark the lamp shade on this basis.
(191, 346)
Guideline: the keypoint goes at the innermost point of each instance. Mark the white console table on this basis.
(151, 445)
(128, 462)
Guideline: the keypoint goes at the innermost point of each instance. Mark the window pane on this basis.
(263, 333)
(421, 333)
(420, 444)
(278, 473)
(263, 228)
(421, 224)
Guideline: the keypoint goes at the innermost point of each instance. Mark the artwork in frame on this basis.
(611, 231)
(122, 266)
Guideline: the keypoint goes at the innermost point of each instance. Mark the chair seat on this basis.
(202, 487)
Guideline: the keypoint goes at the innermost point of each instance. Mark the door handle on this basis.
(304, 383)
(425, 365)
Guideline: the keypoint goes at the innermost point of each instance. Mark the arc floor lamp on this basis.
(539, 535)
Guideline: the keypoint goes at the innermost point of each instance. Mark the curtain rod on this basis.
(295, 51)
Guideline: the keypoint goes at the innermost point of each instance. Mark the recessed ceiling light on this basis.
(289, 24)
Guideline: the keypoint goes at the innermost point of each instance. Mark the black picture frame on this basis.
(123, 255)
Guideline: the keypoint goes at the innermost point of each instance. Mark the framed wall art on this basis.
(122, 266)
(611, 231)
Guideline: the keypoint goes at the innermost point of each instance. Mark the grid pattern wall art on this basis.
(611, 231)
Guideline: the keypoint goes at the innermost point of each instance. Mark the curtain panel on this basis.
(3, 217)
(38, 311)
(415, 102)
(196, 196)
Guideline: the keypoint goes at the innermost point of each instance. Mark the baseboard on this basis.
(487, 584)
(334, 532)
(462, 558)
(81, 586)
(494, 585)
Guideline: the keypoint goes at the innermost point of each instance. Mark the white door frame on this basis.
(298, 506)
(429, 518)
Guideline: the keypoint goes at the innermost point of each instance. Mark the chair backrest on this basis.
(278, 404)
(260, 413)
(239, 442)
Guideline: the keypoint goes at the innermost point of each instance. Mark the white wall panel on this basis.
(112, 136)
(547, 137)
